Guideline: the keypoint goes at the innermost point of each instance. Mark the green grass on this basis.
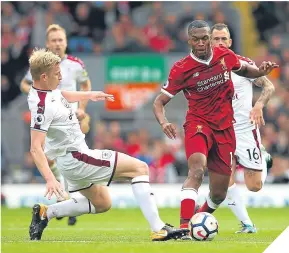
(125, 230)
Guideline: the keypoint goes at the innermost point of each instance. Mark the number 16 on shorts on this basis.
(254, 154)
(248, 151)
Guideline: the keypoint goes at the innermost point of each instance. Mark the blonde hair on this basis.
(54, 28)
(42, 61)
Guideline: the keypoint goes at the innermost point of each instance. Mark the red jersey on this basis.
(207, 86)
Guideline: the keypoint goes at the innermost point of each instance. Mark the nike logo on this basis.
(199, 233)
(75, 201)
(232, 204)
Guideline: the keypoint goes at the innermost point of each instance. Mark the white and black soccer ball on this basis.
(203, 227)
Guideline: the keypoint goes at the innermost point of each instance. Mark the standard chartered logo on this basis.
(213, 81)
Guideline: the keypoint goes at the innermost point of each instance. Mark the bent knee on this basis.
(197, 161)
(104, 207)
(142, 169)
(255, 187)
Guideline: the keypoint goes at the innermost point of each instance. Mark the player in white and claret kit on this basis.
(55, 128)
(250, 154)
(74, 74)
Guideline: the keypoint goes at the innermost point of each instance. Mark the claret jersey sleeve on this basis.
(175, 82)
(42, 112)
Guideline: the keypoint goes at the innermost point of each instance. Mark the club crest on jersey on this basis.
(223, 63)
(106, 154)
(65, 103)
(196, 74)
(39, 119)
(199, 128)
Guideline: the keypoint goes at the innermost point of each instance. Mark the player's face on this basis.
(57, 43)
(54, 77)
(199, 40)
(221, 37)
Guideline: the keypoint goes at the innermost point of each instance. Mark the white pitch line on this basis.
(52, 241)
(115, 229)
(70, 241)
(81, 229)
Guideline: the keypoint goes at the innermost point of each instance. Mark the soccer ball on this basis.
(203, 227)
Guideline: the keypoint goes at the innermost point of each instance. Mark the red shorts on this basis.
(218, 146)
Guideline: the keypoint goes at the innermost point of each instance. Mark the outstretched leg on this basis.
(138, 172)
(236, 203)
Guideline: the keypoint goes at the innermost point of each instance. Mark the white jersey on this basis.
(51, 113)
(73, 73)
(242, 100)
(248, 139)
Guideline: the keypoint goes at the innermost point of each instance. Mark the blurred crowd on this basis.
(106, 27)
(273, 25)
(94, 27)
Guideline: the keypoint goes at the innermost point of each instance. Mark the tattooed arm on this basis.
(267, 89)
(256, 115)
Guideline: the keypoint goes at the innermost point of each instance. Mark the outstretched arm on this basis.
(256, 115)
(36, 150)
(84, 86)
(267, 90)
(159, 110)
(251, 71)
(77, 96)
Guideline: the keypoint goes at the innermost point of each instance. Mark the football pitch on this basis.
(125, 230)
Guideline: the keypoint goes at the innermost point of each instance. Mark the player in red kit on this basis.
(204, 76)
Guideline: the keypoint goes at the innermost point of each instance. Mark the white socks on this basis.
(145, 198)
(210, 203)
(75, 206)
(189, 193)
(236, 204)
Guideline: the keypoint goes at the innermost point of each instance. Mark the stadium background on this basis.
(128, 49)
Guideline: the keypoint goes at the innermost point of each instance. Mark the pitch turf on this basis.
(125, 230)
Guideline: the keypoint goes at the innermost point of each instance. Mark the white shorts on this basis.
(248, 151)
(83, 169)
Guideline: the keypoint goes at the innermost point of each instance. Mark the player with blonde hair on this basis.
(55, 127)
(73, 74)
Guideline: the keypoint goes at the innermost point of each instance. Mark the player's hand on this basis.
(99, 95)
(267, 66)
(54, 187)
(256, 115)
(80, 114)
(170, 130)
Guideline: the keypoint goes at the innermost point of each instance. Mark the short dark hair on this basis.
(197, 24)
(219, 27)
